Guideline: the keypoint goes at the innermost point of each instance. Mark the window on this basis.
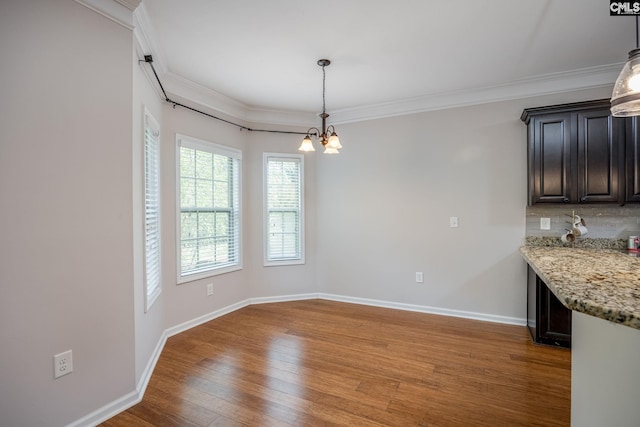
(209, 209)
(151, 209)
(283, 209)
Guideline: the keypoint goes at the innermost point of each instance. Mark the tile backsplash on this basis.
(602, 221)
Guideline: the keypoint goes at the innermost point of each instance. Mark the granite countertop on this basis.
(604, 283)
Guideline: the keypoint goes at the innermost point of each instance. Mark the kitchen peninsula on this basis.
(602, 288)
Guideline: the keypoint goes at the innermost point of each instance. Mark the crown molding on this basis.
(282, 117)
(186, 89)
(130, 4)
(586, 78)
(190, 91)
(119, 11)
(145, 36)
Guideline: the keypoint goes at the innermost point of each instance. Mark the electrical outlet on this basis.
(62, 364)
(209, 289)
(453, 222)
(419, 277)
(545, 223)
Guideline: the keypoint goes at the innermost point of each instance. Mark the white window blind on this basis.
(209, 208)
(283, 209)
(151, 209)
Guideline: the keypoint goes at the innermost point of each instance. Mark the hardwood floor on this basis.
(324, 363)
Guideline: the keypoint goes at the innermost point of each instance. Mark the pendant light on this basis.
(328, 137)
(625, 100)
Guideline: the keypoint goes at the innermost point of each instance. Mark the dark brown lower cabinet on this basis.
(547, 319)
(633, 159)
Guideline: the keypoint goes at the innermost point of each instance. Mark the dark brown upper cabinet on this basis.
(575, 154)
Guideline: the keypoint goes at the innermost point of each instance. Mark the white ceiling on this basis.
(261, 55)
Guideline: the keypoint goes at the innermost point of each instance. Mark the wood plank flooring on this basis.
(325, 363)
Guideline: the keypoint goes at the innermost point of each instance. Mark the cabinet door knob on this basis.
(583, 199)
(566, 200)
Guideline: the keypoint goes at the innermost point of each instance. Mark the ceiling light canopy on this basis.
(625, 100)
(328, 137)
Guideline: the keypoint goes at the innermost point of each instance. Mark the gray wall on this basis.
(66, 260)
(384, 206)
(149, 325)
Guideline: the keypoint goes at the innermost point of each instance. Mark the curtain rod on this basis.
(149, 60)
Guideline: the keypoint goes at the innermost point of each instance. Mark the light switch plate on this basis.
(453, 222)
(545, 223)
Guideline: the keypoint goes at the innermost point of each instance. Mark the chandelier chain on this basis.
(323, 89)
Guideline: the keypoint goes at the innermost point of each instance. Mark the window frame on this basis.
(233, 153)
(267, 262)
(152, 279)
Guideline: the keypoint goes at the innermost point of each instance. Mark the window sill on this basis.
(209, 273)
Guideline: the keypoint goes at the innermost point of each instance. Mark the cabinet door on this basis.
(550, 159)
(532, 312)
(554, 319)
(599, 156)
(633, 160)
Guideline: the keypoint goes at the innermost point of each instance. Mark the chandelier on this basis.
(328, 137)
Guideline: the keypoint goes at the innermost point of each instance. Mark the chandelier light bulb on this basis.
(634, 81)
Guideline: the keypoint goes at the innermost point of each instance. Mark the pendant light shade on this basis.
(306, 145)
(625, 100)
(334, 141)
(330, 150)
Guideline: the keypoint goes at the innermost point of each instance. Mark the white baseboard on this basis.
(427, 309)
(298, 297)
(134, 397)
(205, 318)
(109, 410)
